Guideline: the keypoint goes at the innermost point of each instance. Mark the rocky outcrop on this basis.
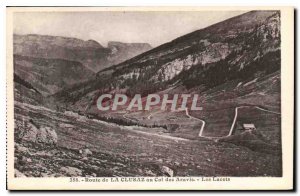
(85, 152)
(167, 171)
(71, 171)
(46, 135)
(27, 132)
(211, 53)
(237, 42)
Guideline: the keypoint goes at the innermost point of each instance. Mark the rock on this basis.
(21, 149)
(64, 125)
(85, 152)
(43, 169)
(43, 154)
(71, 171)
(84, 159)
(19, 174)
(82, 118)
(46, 135)
(150, 173)
(72, 114)
(115, 168)
(160, 160)
(168, 171)
(22, 160)
(26, 132)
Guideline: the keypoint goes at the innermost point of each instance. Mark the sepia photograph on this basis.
(101, 97)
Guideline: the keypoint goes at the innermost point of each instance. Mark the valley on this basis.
(234, 68)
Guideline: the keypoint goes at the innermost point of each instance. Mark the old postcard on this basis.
(150, 98)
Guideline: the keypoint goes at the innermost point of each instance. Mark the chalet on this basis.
(249, 127)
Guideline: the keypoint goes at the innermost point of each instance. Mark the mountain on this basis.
(239, 49)
(237, 42)
(48, 76)
(124, 51)
(235, 68)
(90, 53)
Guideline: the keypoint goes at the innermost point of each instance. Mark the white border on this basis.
(4, 3)
(250, 183)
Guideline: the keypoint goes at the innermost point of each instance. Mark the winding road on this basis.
(131, 128)
(234, 119)
(236, 114)
(203, 122)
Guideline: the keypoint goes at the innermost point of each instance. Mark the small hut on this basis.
(249, 127)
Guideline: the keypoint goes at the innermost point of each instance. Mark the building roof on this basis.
(248, 125)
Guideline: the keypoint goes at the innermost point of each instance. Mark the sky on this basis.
(150, 27)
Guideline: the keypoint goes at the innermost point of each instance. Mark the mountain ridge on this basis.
(205, 59)
(193, 34)
(90, 53)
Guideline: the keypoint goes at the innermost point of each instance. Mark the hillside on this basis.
(49, 76)
(230, 64)
(90, 53)
(238, 49)
(235, 68)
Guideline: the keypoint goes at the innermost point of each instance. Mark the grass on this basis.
(187, 158)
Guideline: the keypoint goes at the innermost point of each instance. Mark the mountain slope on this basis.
(234, 67)
(240, 48)
(49, 76)
(90, 53)
(243, 38)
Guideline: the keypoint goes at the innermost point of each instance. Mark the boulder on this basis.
(28, 160)
(24, 160)
(86, 152)
(168, 171)
(71, 171)
(64, 125)
(46, 135)
(28, 132)
(20, 149)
